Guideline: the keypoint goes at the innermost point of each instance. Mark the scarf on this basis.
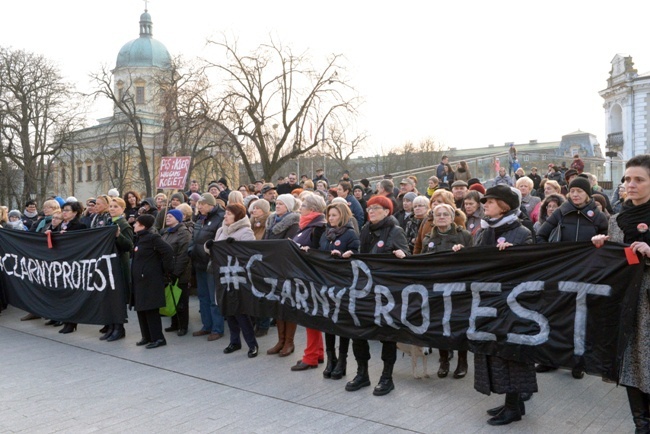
(430, 191)
(306, 219)
(333, 233)
(501, 221)
(30, 215)
(630, 218)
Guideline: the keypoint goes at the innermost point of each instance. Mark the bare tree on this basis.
(38, 111)
(341, 148)
(274, 104)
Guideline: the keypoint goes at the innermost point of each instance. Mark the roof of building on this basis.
(144, 51)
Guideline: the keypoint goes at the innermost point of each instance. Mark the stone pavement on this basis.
(50, 382)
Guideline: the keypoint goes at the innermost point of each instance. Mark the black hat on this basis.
(473, 181)
(582, 184)
(504, 193)
(146, 220)
(569, 173)
(268, 188)
(223, 181)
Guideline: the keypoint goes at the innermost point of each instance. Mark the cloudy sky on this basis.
(466, 74)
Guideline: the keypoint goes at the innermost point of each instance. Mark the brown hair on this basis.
(238, 210)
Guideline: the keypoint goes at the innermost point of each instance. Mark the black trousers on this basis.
(150, 325)
(361, 350)
(182, 318)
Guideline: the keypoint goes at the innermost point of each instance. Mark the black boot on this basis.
(385, 384)
(69, 327)
(511, 411)
(443, 371)
(340, 368)
(331, 362)
(109, 332)
(118, 333)
(640, 408)
(361, 379)
(461, 368)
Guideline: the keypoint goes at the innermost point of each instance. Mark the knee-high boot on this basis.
(640, 408)
(289, 333)
(281, 336)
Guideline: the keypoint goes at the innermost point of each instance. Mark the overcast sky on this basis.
(466, 74)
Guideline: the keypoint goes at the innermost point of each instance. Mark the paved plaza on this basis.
(75, 383)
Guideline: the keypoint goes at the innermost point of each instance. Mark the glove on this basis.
(208, 244)
(230, 240)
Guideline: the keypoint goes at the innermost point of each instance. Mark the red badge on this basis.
(380, 244)
(642, 227)
(337, 243)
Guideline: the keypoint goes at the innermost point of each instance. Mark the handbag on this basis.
(172, 295)
(556, 234)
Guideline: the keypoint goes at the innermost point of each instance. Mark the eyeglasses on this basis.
(375, 208)
(57, 218)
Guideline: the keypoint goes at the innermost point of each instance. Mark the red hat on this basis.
(382, 201)
(477, 187)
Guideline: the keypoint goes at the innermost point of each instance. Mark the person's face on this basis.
(257, 212)
(470, 206)
(550, 207)
(222, 186)
(637, 185)
(243, 191)
(194, 186)
(292, 179)
(548, 189)
(420, 210)
(534, 171)
(137, 226)
(214, 191)
(48, 210)
(31, 208)
(459, 192)
(175, 202)
(229, 218)
(445, 160)
(432, 184)
(304, 210)
(320, 186)
(571, 178)
(329, 197)
(160, 201)
(502, 171)
(90, 207)
(13, 218)
(377, 213)
(578, 196)
(280, 208)
(492, 209)
(67, 214)
(115, 210)
(258, 187)
(341, 193)
(405, 188)
(101, 206)
(437, 201)
(358, 194)
(204, 208)
(524, 188)
(132, 200)
(270, 196)
(442, 218)
(170, 221)
(333, 217)
(407, 205)
(57, 218)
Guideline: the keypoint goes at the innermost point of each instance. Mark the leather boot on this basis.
(277, 347)
(361, 379)
(331, 362)
(443, 370)
(385, 384)
(640, 408)
(461, 368)
(511, 411)
(289, 333)
(341, 366)
(118, 333)
(108, 333)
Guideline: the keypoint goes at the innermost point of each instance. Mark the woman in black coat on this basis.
(153, 262)
(492, 373)
(381, 234)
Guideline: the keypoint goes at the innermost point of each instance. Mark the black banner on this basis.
(552, 303)
(78, 280)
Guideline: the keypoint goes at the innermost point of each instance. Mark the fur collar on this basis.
(290, 219)
(242, 223)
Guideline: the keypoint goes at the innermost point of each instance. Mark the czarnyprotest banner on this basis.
(78, 280)
(554, 303)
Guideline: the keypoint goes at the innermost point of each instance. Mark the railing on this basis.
(615, 141)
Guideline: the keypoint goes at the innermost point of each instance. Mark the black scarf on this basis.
(381, 229)
(629, 219)
(334, 232)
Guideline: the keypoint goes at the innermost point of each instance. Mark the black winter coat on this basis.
(578, 224)
(346, 240)
(287, 228)
(434, 241)
(383, 237)
(310, 235)
(204, 230)
(179, 239)
(153, 260)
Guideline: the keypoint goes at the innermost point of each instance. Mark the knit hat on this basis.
(59, 200)
(582, 184)
(178, 214)
(358, 187)
(113, 192)
(383, 201)
(569, 173)
(146, 220)
(503, 193)
(288, 200)
(179, 196)
(208, 198)
(223, 181)
(72, 199)
(410, 196)
(262, 204)
(213, 184)
(14, 213)
(473, 181)
(477, 187)
(195, 197)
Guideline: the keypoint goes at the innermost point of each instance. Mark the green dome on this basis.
(144, 51)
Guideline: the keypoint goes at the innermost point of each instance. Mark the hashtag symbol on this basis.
(230, 274)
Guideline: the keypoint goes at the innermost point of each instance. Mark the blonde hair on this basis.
(235, 196)
(186, 210)
(555, 185)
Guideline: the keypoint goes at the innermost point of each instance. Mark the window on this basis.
(89, 173)
(139, 95)
(99, 172)
(80, 174)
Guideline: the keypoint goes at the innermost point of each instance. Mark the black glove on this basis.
(208, 244)
(230, 240)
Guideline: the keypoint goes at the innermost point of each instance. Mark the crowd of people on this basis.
(168, 239)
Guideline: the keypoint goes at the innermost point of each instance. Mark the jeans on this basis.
(211, 317)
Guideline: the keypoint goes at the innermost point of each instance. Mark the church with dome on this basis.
(110, 154)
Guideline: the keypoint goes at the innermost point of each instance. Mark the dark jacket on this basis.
(124, 244)
(383, 237)
(577, 224)
(204, 230)
(153, 260)
(287, 228)
(411, 228)
(342, 239)
(73, 225)
(514, 233)
(179, 238)
(434, 241)
(357, 210)
(310, 235)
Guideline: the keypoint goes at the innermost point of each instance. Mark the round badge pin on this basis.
(258, 224)
(590, 213)
(642, 227)
(380, 244)
(337, 243)
(471, 226)
(501, 240)
(431, 244)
